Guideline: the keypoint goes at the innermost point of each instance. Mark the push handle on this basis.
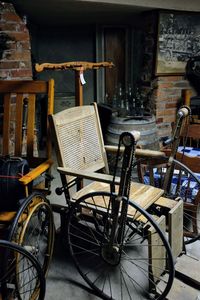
(129, 138)
(183, 112)
(136, 135)
(168, 141)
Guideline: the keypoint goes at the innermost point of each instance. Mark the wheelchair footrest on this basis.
(174, 214)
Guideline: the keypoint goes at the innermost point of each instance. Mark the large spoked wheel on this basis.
(182, 183)
(21, 276)
(138, 265)
(33, 229)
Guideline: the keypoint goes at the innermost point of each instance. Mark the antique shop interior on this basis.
(99, 149)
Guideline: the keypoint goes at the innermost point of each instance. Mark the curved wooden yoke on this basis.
(75, 65)
(79, 67)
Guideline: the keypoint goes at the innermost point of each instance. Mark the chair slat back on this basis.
(190, 137)
(19, 118)
(19, 130)
(193, 163)
(30, 124)
(192, 133)
(78, 139)
(6, 121)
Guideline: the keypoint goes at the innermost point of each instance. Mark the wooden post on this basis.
(78, 89)
(186, 96)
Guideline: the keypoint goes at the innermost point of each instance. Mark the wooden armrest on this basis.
(138, 152)
(149, 153)
(113, 148)
(89, 175)
(167, 151)
(33, 174)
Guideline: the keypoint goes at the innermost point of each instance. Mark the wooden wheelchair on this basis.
(178, 173)
(117, 246)
(31, 224)
(21, 276)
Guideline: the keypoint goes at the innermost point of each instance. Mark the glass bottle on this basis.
(137, 101)
(114, 101)
(128, 99)
(142, 108)
(133, 111)
(132, 103)
(122, 108)
(106, 100)
(115, 98)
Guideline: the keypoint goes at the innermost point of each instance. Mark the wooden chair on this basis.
(190, 136)
(89, 187)
(81, 154)
(181, 181)
(19, 122)
(19, 137)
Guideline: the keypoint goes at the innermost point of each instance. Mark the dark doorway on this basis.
(115, 51)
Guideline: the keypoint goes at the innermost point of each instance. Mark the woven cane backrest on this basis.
(78, 139)
(19, 126)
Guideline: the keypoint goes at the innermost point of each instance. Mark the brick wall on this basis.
(168, 98)
(166, 95)
(15, 54)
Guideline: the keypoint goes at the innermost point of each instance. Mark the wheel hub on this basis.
(111, 254)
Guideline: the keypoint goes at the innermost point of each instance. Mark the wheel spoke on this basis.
(36, 232)
(120, 271)
(21, 276)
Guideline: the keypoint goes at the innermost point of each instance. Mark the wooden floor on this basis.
(64, 281)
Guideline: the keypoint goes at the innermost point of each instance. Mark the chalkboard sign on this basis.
(178, 40)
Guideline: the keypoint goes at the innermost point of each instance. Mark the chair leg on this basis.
(63, 212)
